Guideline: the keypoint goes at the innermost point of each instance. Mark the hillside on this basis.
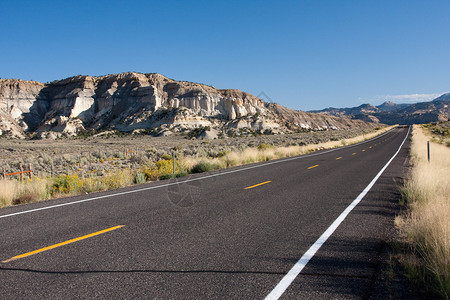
(391, 113)
(135, 102)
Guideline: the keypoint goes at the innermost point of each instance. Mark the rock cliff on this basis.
(133, 101)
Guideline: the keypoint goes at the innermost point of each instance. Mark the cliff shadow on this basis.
(38, 110)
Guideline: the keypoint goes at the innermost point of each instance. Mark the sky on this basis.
(305, 55)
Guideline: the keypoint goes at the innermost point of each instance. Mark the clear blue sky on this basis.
(302, 54)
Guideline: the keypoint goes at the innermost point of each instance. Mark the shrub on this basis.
(166, 156)
(176, 175)
(166, 176)
(65, 184)
(25, 198)
(264, 146)
(222, 153)
(138, 158)
(150, 173)
(93, 184)
(118, 179)
(154, 171)
(202, 166)
(198, 131)
(139, 178)
(181, 174)
(166, 167)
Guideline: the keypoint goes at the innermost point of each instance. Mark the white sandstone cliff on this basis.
(135, 101)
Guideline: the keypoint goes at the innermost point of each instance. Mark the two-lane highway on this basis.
(234, 233)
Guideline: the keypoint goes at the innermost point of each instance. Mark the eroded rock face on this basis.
(22, 106)
(134, 101)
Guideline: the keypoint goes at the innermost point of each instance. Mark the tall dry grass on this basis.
(268, 152)
(426, 225)
(15, 192)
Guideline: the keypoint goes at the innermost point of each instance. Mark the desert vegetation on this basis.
(78, 166)
(425, 225)
(439, 132)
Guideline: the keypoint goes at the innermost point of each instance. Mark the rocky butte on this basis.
(134, 102)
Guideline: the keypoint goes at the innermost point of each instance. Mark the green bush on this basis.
(202, 166)
(222, 153)
(198, 131)
(169, 176)
(139, 178)
(264, 146)
(166, 176)
(181, 174)
(166, 157)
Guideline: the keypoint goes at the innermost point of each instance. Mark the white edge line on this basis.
(189, 180)
(286, 281)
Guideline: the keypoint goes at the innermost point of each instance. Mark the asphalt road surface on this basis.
(228, 234)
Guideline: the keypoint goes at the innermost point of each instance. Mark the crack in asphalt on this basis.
(182, 272)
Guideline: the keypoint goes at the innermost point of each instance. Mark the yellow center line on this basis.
(363, 150)
(62, 244)
(338, 157)
(370, 147)
(250, 187)
(353, 153)
(313, 167)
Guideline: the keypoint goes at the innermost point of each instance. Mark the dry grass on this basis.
(8, 190)
(266, 152)
(426, 225)
(14, 192)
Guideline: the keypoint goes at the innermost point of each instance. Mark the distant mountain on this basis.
(391, 113)
(443, 97)
(149, 103)
(391, 106)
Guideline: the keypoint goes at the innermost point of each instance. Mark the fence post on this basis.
(428, 150)
(173, 159)
(4, 173)
(31, 173)
(21, 172)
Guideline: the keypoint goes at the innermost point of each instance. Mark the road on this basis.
(230, 234)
